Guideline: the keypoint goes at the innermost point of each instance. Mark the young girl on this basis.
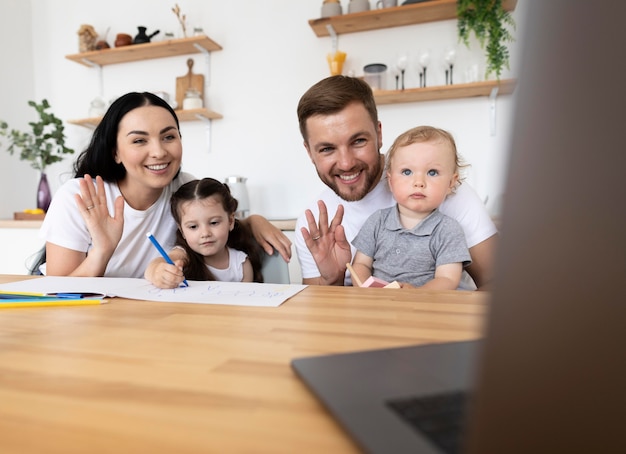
(211, 245)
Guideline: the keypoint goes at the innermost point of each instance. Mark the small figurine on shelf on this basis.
(182, 19)
(86, 38)
(142, 37)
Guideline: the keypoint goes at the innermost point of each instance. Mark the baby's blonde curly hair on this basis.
(421, 134)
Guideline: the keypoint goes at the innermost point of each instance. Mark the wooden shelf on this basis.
(147, 51)
(455, 91)
(183, 115)
(197, 114)
(416, 13)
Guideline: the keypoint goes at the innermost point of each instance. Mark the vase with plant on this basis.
(489, 20)
(42, 146)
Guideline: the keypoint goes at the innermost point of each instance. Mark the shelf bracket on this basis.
(88, 62)
(207, 64)
(207, 129)
(91, 64)
(492, 110)
(207, 58)
(203, 118)
(333, 37)
(200, 48)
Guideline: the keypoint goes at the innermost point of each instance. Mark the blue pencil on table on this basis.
(163, 253)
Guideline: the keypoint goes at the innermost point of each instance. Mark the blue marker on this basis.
(163, 253)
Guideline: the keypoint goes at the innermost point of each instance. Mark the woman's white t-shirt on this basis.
(64, 226)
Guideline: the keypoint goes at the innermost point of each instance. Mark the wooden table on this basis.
(148, 377)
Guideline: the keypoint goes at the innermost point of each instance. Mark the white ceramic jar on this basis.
(192, 100)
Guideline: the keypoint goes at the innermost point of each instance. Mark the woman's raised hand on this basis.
(105, 231)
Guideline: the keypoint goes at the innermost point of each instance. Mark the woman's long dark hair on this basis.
(240, 237)
(99, 156)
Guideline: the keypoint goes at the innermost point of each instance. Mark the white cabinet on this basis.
(20, 245)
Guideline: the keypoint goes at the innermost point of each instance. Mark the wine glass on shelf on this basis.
(401, 63)
(445, 68)
(395, 71)
(423, 62)
(450, 57)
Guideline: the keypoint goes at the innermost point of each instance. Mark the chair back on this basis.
(274, 269)
(37, 259)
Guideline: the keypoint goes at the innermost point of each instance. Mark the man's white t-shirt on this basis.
(464, 205)
(64, 226)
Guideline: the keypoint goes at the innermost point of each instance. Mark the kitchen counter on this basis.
(12, 224)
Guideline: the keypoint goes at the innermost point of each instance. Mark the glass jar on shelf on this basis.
(192, 99)
(97, 108)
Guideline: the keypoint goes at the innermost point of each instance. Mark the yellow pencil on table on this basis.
(54, 302)
(17, 294)
(26, 299)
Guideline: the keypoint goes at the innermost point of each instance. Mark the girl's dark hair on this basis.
(99, 156)
(240, 237)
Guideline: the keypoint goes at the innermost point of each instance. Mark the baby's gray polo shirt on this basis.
(412, 255)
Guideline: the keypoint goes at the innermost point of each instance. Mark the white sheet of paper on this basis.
(202, 292)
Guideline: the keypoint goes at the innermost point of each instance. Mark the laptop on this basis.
(366, 392)
(549, 376)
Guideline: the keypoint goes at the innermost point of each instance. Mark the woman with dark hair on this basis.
(131, 168)
(211, 245)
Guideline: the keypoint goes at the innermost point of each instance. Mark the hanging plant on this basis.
(488, 20)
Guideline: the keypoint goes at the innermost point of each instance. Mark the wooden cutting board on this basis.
(189, 80)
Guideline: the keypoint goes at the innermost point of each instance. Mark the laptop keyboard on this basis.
(439, 417)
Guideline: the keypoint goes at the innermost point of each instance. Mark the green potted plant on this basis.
(42, 146)
(489, 21)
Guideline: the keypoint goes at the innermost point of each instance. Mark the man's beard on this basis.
(371, 179)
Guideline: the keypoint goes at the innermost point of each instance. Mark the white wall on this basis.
(18, 181)
(270, 57)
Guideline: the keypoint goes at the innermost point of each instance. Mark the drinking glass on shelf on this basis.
(335, 62)
(471, 73)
